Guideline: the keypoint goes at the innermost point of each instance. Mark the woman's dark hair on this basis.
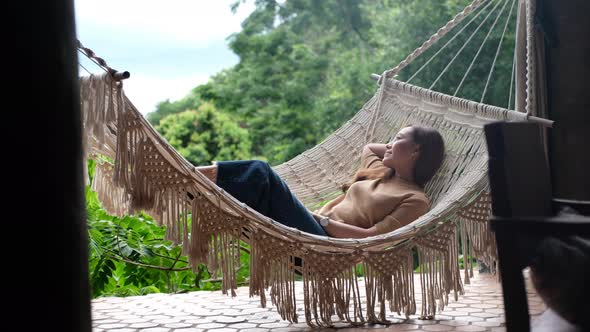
(432, 153)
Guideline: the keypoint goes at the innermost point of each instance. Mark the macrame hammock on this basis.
(146, 174)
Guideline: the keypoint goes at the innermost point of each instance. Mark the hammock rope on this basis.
(435, 37)
(147, 174)
(530, 57)
(485, 89)
(481, 46)
(463, 47)
(484, 8)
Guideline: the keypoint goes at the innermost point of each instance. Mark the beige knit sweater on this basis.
(388, 204)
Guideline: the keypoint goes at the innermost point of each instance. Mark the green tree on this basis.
(205, 135)
(165, 108)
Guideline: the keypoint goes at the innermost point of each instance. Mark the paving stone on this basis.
(153, 317)
(495, 311)
(177, 325)
(229, 319)
(243, 325)
(295, 329)
(480, 309)
(124, 317)
(136, 320)
(483, 314)
(453, 323)
(469, 319)
(274, 325)
(201, 320)
(469, 309)
(111, 326)
(167, 321)
(255, 310)
(498, 329)
(438, 328)
(487, 324)
(261, 321)
(143, 325)
(470, 328)
(246, 306)
(456, 313)
(105, 321)
(210, 326)
(484, 306)
(421, 321)
(399, 328)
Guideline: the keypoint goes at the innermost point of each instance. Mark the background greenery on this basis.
(303, 70)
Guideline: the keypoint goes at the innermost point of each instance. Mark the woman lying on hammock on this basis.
(385, 194)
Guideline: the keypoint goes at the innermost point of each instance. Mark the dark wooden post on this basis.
(567, 30)
(46, 267)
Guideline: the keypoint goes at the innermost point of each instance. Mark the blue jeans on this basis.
(255, 183)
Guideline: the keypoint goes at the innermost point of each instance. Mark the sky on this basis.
(168, 46)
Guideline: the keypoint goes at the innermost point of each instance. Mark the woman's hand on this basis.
(377, 148)
(316, 216)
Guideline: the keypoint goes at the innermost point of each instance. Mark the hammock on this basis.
(142, 172)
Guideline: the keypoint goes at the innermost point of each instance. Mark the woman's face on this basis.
(401, 152)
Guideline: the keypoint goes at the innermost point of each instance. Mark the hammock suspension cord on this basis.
(481, 47)
(496, 56)
(463, 47)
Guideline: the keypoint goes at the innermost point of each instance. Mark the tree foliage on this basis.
(304, 66)
(205, 135)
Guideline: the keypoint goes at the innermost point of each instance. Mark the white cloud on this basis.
(187, 21)
(146, 91)
(169, 47)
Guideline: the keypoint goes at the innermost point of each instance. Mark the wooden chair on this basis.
(524, 213)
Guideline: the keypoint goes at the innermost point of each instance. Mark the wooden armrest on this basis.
(555, 225)
(582, 207)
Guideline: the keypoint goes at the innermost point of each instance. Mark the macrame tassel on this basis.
(199, 242)
(282, 291)
(318, 293)
(125, 147)
(439, 270)
(403, 300)
(389, 277)
(480, 241)
(272, 264)
(330, 288)
(215, 239)
(375, 286)
(113, 199)
(466, 257)
(228, 244)
(347, 291)
(259, 265)
(186, 245)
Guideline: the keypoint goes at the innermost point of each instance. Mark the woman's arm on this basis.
(342, 230)
(376, 148)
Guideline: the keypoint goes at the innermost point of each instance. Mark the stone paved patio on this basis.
(480, 309)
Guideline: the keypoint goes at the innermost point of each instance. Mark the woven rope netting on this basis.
(137, 170)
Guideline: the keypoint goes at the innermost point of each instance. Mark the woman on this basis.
(386, 193)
